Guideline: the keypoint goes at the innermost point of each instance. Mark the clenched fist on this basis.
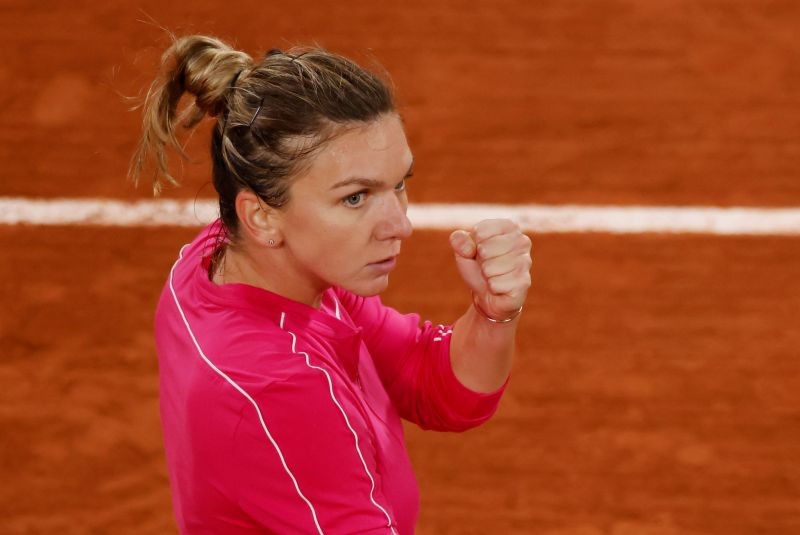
(494, 259)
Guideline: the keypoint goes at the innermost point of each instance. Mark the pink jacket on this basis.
(281, 418)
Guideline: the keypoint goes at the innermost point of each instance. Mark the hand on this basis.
(494, 259)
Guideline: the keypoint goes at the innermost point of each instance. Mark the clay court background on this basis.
(657, 385)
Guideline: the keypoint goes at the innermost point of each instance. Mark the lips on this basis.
(385, 265)
(386, 259)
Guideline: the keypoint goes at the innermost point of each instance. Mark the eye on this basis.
(400, 185)
(354, 200)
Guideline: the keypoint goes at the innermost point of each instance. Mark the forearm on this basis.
(494, 260)
(481, 352)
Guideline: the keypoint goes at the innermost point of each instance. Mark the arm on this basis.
(494, 260)
(452, 379)
(413, 361)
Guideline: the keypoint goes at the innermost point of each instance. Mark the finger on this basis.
(503, 244)
(493, 227)
(506, 264)
(515, 283)
(462, 243)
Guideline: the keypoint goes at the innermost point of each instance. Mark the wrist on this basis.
(490, 318)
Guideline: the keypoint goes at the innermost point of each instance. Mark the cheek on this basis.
(329, 245)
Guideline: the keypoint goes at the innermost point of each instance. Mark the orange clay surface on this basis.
(657, 384)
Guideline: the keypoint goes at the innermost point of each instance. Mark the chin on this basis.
(368, 288)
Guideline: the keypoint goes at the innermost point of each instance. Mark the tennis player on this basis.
(283, 378)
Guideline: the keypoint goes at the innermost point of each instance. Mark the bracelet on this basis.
(488, 317)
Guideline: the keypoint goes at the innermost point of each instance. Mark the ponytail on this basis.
(201, 66)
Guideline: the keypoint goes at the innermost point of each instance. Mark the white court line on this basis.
(531, 217)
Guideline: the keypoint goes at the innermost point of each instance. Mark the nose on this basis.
(393, 223)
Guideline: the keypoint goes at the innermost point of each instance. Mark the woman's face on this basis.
(346, 215)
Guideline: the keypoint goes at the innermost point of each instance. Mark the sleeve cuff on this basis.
(476, 407)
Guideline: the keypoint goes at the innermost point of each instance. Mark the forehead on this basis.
(377, 150)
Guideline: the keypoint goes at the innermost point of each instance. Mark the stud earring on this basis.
(271, 243)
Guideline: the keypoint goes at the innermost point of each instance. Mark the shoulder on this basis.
(251, 355)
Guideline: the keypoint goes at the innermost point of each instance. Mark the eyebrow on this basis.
(368, 182)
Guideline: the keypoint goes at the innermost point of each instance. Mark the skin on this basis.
(347, 213)
(330, 234)
(494, 260)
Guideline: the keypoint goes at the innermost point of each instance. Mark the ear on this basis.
(257, 220)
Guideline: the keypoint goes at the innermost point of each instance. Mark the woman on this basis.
(283, 377)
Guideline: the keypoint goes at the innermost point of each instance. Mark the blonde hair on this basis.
(272, 115)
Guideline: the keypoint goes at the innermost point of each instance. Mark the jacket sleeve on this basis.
(304, 466)
(413, 361)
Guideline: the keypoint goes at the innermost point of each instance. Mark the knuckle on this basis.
(528, 262)
(480, 228)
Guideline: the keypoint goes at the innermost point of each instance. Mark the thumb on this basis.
(463, 244)
(465, 251)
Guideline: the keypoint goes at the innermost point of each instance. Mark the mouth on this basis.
(387, 264)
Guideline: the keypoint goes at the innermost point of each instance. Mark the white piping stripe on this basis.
(240, 390)
(531, 217)
(346, 421)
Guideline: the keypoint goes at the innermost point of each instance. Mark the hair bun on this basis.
(205, 67)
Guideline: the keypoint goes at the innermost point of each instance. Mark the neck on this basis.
(270, 269)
